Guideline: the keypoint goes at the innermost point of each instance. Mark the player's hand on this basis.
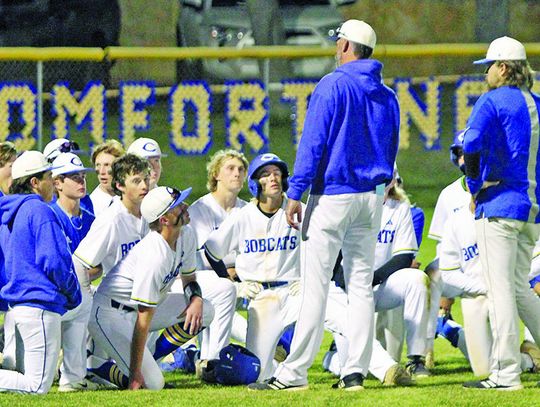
(193, 315)
(294, 213)
(248, 289)
(136, 380)
(294, 288)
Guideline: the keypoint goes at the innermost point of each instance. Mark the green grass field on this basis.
(425, 174)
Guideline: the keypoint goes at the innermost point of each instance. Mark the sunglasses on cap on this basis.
(68, 147)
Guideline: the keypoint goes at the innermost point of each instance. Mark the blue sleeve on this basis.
(54, 258)
(313, 142)
(474, 138)
(418, 219)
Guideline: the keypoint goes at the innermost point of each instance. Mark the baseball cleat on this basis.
(83, 385)
(275, 384)
(351, 382)
(398, 376)
(487, 384)
(417, 368)
(533, 351)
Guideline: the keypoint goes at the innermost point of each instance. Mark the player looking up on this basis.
(267, 262)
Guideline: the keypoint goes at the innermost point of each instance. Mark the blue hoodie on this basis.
(351, 133)
(38, 267)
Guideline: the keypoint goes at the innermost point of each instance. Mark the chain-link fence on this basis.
(82, 94)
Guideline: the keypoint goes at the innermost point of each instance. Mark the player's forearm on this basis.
(397, 262)
(140, 334)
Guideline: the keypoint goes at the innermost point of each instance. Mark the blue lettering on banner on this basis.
(470, 252)
(126, 247)
(270, 244)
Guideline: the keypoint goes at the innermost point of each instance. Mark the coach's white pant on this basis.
(505, 247)
(269, 313)
(221, 293)
(39, 333)
(349, 222)
(451, 284)
(335, 322)
(112, 330)
(74, 338)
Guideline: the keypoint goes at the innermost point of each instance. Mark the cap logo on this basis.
(268, 157)
(150, 147)
(76, 161)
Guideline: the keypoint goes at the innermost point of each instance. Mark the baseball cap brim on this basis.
(483, 61)
(180, 198)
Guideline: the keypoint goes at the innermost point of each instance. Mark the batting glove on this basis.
(248, 289)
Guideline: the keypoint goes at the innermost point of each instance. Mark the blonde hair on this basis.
(112, 147)
(216, 162)
(7, 152)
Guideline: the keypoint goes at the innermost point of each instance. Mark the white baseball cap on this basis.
(359, 32)
(66, 163)
(29, 163)
(159, 200)
(60, 145)
(145, 148)
(504, 49)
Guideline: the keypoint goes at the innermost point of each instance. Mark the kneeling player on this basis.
(134, 297)
(267, 257)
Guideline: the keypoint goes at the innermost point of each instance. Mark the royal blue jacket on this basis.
(503, 133)
(38, 268)
(351, 133)
(3, 303)
(75, 227)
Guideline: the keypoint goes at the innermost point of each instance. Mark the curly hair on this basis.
(126, 165)
(216, 162)
(520, 74)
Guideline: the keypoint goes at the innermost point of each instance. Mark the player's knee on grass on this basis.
(155, 381)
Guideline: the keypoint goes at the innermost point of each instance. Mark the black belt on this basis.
(121, 307)
(273, 284)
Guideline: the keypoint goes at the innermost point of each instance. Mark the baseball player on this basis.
(267, 261)
(69, 178)
(134, 296)
(61, 145)
(149, 149)
(500, 150)
(40, 282)
(226, 175)
(461, 276)
(8, 154)
(346, 154)
(102, 158)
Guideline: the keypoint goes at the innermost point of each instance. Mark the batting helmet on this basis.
(456, 149)
(236, 365)
(261, 161)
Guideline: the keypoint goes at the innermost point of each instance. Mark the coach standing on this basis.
(346, 154)
(501, 152)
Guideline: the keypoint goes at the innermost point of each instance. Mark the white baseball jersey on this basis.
(396, 235)
(451, 198)
(112, 235)
(100, 200)
(206, 216)
(459, 247)
(145, 275)
(267, 248)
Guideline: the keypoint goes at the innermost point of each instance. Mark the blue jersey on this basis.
(75, 227)
(504, 129)
(350, 137)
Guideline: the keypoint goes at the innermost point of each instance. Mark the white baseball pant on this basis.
(39, 332)
(112, 330)
(347, 222)
(506, 247)
(269, 313)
